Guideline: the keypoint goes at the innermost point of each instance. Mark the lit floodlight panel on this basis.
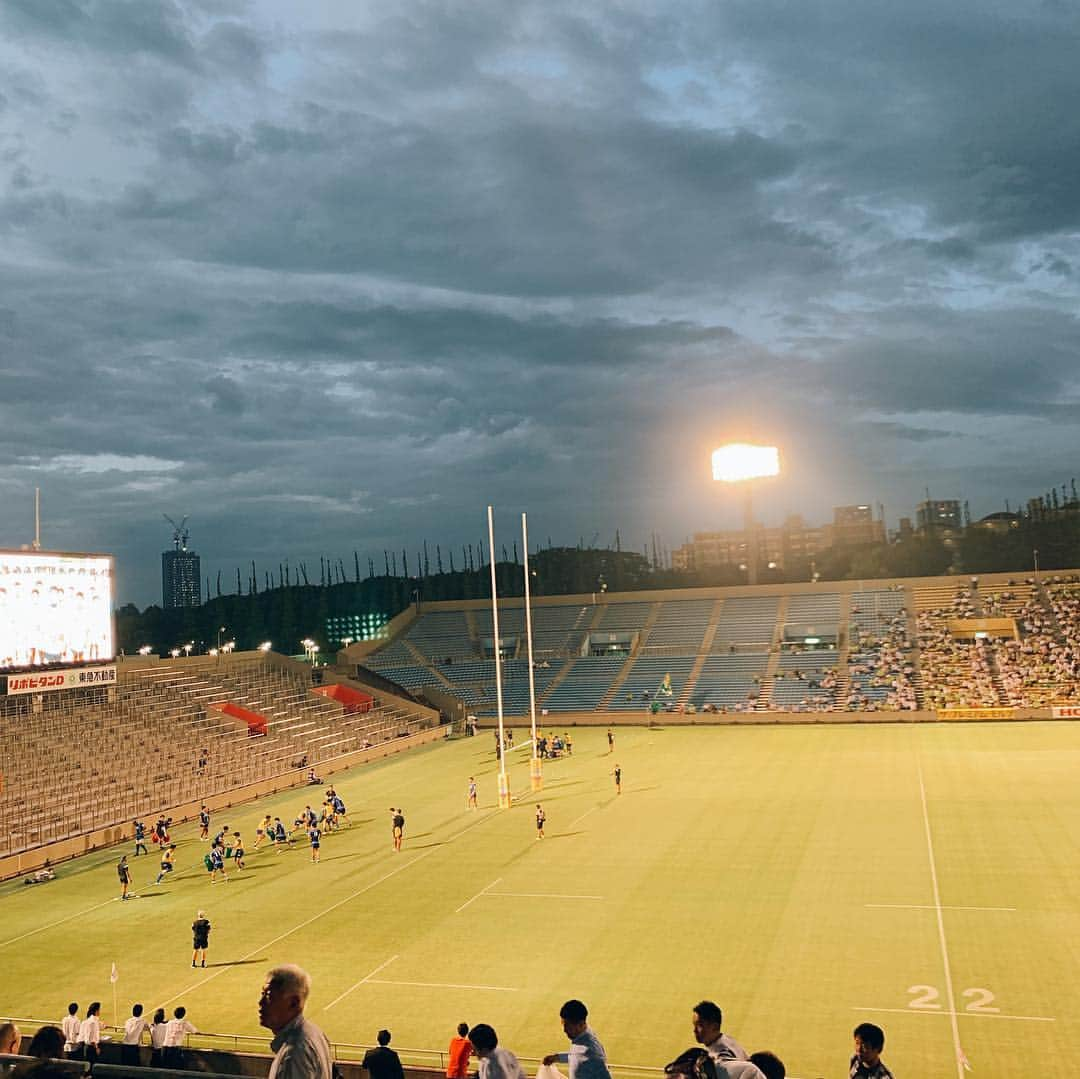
(742, 461)
(54, 608)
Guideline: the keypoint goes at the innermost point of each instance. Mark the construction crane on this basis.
(180, 533)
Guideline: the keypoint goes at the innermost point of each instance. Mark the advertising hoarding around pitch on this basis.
(55, 609)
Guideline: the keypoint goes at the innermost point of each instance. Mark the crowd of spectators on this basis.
(956, 672)
(880, 659)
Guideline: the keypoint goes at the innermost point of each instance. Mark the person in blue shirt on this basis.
(586, 1055)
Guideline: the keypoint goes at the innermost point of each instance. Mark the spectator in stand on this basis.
(495, 1063)
(707, 1022)
(176, 1030)
(769, 1064)
(89, 1034)
(158, 1029)
(301, 1050)
(133, 1032)
(460, 1050)
(70, 1026)
(866, 1063)
(47, 1043)
(586, 1055)
(382, 1062)
(10, 1038)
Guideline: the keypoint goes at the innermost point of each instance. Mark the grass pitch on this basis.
(806, 878)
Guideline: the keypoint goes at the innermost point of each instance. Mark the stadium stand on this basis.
(112, 753)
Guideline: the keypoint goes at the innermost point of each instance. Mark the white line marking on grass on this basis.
(321, 913)
(929, 906)
(949, 994)
(541, 895)
(578, 820)
(60, 921)
(477, 896)
(366, 978)
(444, 985)
(973, 1015)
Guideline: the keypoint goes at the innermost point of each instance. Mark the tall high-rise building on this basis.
(939, 515)
(181, 580)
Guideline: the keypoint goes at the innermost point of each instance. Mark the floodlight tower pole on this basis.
(536, 765)
(504, 785)
(751, 535)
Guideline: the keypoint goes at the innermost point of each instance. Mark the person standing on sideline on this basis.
(316, 838)
(618, 779)
(866, 1063)
(70, 1026)
(707, 1023)
(123, 871)
(541, 817)
(301, 1050)
(140, 838)
(176, 1030)
(398, 824)
(158, 1029)
(382, 1062)
(495, 1063)
(204, 823)
(586, 1055)
(472, 802)
(610, 740)
(133, 1032)
(200, 937)
(457, 1066)
(90, 1034)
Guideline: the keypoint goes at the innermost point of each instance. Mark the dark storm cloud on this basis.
(352, 271)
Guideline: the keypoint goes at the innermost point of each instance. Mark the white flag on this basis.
(114, 977)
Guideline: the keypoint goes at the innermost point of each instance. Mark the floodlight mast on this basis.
(743, 463)
(536, 765)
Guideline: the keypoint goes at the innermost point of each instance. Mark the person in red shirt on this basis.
(460, 1051)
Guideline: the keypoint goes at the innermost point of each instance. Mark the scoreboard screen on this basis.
(55, 609)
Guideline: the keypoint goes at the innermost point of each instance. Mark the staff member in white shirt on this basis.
(495, 1062)
(90, 1034)
(177, 1029)
(70, 1026)
(157, 1039)
(133, 1032)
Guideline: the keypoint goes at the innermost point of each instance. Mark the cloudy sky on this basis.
(334, 275)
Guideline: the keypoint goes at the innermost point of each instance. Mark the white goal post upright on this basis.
(504, 784)
(536, 766)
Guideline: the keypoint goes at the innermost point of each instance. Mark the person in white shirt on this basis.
(301, 1050)
(157, 1039)
(176, 1030)
(70, 1026)
(495, 1063)
(89, 1034)
(707, 1023)
(134, 1029)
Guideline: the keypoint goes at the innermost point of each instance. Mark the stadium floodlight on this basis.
(743, 463)
(146, 649)
(266, 646)
(738, 461)
(175, 653)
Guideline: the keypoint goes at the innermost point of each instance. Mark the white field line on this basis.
(320, 914)
(443, 985)
(366, 978)
(59, 921)
(972, 1015)
(578, 820)
(950, 996)
(929, 906)
(477, 896)
(541, 895)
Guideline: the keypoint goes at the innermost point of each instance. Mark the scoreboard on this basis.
(55, 609)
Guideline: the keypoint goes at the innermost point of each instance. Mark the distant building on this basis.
(181, 583)
(939, 515)
(1000, 522)
(794, 541)
(854, 526)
